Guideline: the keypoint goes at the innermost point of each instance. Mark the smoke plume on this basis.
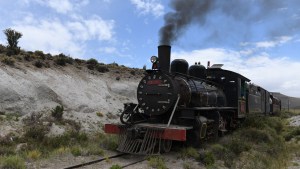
(187, 12)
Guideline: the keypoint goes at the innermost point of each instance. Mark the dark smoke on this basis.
(187, 12)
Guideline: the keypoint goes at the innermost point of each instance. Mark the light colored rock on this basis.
(56, 130)
(27, 90)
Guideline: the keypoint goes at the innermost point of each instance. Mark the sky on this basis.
(259, 39)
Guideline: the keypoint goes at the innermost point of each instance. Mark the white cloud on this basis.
(108, 50)
(93, 28)
(273, 74)
(149, 7)
(278, 41)
(48, 36)
(100, 28)
(55, 36)
(60, 6)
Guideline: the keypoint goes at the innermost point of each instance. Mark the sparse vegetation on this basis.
(157, 162)
(115, 166)
(8, 61)
(62, 60)
(57, 112)
(102, 68)
(292, 132)
(189, 152)
(40, 54)
(76, 151)
(12, 162)
(257, 144)
(34, 154)
(109, 142)
(92, 63)
(99, 114)
(38, 64)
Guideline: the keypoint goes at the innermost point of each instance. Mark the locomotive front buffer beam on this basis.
(173, 132)
(147, 138)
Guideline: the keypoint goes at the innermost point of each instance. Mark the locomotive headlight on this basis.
(153, 59)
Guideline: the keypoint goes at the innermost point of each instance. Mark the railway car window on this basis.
(243, 88)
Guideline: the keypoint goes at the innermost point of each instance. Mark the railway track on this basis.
(103, 159)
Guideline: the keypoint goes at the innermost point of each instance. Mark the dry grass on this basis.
(34, 154)
(259, 143)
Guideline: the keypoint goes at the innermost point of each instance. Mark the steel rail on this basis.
(95, 161)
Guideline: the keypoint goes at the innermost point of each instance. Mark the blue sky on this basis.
(257, 38)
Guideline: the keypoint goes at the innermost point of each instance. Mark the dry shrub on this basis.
(8, 61)
(38, 64)
(102, 68)
(34, 154)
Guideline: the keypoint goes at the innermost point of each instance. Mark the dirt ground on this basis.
(172, 161)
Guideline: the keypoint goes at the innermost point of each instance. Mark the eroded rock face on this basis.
(82, 94)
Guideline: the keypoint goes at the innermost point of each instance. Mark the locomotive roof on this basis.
(226, 73)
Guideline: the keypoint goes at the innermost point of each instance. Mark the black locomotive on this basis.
(190, 104)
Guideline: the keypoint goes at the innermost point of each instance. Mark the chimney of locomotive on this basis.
(164, 57)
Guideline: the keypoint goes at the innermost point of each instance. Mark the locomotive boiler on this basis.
(160, 91)
(178, 102)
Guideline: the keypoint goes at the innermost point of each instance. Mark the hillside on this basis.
(294, 103)
(83, 88)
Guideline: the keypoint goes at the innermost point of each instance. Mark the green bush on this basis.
(67, 139)
(293, 132)
(12, 162)
(209, 159)
(12, 38)
(36, 132)
(76, 151)
(57, 112)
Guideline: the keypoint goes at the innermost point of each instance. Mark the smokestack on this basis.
(164, 57)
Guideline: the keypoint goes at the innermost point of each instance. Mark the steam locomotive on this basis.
(188, 104)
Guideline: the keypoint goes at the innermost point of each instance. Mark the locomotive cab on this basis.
(234, 86)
